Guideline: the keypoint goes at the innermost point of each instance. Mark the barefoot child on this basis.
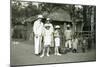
(75, 44)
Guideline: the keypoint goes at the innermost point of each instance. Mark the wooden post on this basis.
(92, 26)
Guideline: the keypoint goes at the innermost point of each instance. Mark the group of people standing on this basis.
(45, 33)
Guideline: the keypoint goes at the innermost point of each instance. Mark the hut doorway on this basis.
(86, 31)
(87, 27)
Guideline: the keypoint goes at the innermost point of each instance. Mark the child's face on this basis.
(68, 28)
(48, 21)
(48, 27)
(57, 29)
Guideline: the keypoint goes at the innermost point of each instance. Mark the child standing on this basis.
(84, 45)
(47, 37)
(57, 39)
(75, 44)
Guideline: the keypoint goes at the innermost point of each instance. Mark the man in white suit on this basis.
(38, 29)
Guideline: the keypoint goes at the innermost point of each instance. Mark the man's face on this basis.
(40, 19)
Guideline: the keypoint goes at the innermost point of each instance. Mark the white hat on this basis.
(47, 25)
(48, 19)
(68, 25)
(57, 26)
(40, 16)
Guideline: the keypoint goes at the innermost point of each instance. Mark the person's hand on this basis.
(36, 35)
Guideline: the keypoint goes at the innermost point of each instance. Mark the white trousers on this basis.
(68, 44)
(37, 45)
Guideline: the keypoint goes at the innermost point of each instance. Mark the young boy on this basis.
(84, 44)
(57, 39)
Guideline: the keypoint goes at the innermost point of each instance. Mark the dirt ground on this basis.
(22, 53)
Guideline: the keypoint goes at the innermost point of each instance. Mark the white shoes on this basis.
(48, 55)
(42, 56)
(58, 54)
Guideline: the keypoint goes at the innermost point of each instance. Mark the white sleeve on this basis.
(43, 29)
(34, 27)
(52, 30)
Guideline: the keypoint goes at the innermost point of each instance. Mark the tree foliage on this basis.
(21, 12)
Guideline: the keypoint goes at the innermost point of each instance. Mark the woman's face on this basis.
(48, 21)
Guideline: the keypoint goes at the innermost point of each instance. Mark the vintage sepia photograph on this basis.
(51, 33)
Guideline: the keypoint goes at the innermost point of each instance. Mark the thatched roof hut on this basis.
(60, 15)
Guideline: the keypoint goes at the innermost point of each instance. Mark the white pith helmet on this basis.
(68, 25)
(57, 26)
(40, 16)
(48, 19)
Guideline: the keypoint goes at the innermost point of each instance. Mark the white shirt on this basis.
(38, 27)
(68, 34)
(56, 33)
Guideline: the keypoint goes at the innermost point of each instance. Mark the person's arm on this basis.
(52, 29)
(54, 33)
(43, 30)
(35, 27)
